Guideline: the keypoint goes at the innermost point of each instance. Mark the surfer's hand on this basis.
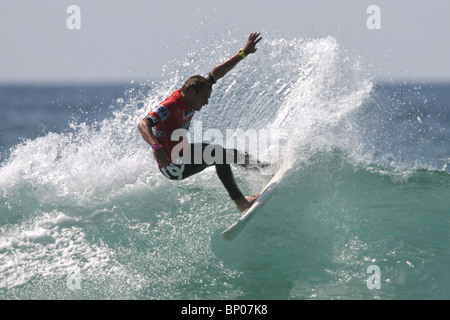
(161, 157)
(253, 40)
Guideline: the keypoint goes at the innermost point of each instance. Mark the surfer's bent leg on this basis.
(226, 176)
(202, 156)
(222, 160)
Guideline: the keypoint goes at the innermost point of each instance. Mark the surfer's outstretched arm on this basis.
(222, 69)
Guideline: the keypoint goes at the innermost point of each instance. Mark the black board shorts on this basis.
(203, 155)
(200, 157)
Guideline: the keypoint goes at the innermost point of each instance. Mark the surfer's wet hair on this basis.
(198, 83)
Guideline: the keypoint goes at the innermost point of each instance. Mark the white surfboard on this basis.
(239, 225)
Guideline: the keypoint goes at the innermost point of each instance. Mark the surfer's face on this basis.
(197, 100)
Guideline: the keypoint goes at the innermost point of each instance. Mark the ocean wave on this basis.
(91, 200)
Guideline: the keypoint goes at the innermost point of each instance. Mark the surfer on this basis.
(176, 112)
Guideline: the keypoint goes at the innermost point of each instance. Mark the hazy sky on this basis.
(132, 40)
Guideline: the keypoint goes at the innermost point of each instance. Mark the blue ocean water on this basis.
(85, 214)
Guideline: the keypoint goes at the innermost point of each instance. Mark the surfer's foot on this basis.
(243, 203)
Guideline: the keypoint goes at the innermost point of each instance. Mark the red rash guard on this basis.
(172, 114)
